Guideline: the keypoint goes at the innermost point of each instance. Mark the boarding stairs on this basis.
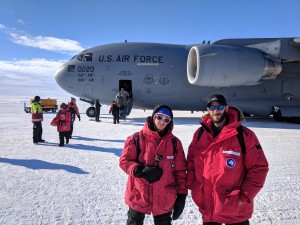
(126, 109)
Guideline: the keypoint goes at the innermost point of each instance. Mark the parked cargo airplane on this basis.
(261, 76)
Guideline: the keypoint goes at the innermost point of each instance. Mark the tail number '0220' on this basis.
(87, 69)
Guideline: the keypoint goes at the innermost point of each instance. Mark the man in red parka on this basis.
(156, 168)
(223, 179)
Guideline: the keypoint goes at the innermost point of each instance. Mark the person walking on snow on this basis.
(64, 124)
(74, 112)
(115, 110)
(156, 168)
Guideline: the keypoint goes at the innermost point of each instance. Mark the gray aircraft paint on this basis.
(253, 74)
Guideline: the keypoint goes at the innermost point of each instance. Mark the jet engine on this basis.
(225, 66)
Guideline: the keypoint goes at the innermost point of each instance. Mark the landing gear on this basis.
(91, 111)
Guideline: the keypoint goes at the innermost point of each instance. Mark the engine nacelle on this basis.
(225, 66)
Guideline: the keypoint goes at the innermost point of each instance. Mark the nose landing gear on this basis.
(91, 111)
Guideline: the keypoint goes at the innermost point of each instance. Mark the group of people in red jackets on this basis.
(64, 120)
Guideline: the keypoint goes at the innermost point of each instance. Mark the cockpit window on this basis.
(88, 57)
(79, 57)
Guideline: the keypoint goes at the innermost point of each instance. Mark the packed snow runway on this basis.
(82, 183)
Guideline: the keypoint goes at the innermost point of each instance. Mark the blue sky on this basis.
(36, 37)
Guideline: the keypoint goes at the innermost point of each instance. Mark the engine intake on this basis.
(225, 66)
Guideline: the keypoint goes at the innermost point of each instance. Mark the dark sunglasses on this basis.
(216, 107)
(167, 120)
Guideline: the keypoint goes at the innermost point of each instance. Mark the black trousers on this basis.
(97, 115)
(37, 132)
(71, 129)
(241, 223)
(62, 137)
(116, 117)
(137, 218)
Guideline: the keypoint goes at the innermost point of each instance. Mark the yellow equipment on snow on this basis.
(48, 104)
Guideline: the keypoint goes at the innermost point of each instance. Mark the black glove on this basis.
(138, 171)
(152, 173)
(149, 173)
(179, 206)
(78, 117)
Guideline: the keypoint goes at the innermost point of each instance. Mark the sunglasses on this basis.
(165, 119)
(216, 107)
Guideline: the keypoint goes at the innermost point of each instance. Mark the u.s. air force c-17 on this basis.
(261, 76)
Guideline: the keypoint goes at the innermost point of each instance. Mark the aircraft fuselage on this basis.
(157, 73)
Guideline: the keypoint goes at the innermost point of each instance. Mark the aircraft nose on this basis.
(60, 76)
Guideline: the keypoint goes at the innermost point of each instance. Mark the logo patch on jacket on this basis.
(229, 152)
(230, 163)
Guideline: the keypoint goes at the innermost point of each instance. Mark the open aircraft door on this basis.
(127, 85)
(126, 106)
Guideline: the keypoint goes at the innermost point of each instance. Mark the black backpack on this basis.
(73, 114)
(239, 136)
(136, 140)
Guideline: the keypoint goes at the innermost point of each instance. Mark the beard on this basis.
(218, 120)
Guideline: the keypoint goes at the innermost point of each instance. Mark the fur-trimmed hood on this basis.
(234, 114)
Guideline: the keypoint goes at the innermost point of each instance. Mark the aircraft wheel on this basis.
(90, 112)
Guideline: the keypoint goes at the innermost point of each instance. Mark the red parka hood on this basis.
(234, 116)
(149, 128)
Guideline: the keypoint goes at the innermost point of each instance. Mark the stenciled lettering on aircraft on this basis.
(85, 74)
(125, 73)
(148, 79)
(164, 79)
(82, 77)
(139, 59)
(87, 69)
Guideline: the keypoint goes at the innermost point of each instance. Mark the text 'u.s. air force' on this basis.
(130, 58)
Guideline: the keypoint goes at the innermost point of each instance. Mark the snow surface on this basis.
(82, 183)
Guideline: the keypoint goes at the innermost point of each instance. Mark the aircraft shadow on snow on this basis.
(250, 122)
(35, 164)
